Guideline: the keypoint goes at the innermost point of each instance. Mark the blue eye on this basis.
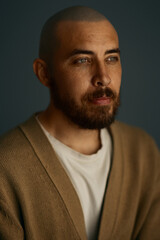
(82, 60)
(112, 59)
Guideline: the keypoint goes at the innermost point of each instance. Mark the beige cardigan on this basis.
(38, 201)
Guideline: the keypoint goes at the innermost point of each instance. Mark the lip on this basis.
(102, 101)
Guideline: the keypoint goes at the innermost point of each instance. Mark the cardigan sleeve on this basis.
(151, 226)
(8, 228)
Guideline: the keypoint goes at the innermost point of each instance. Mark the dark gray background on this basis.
(138, 25)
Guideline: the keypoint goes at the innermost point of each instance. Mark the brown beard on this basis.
(88, 115)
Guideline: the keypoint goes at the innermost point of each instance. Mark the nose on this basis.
(101, 78)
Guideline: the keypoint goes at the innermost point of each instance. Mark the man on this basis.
(69, 172)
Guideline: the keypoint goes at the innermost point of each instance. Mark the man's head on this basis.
(80, 63)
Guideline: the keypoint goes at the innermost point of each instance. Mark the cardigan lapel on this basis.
(56, 172)
(60, 179)
(113, 187)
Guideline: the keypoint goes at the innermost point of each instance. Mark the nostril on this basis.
(99, 84)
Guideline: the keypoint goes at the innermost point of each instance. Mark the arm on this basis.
(10, 214)
(151, 226)
(9, 228)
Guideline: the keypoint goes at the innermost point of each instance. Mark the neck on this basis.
(85, 141)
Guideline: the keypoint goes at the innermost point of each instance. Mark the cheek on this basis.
(71, 85)
(73, 79)
(116, 79)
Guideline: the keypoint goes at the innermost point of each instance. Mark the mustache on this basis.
(107, 92)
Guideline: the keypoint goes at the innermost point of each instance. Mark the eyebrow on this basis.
(114, 50)
(82, 51)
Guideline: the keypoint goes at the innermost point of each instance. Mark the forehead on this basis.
(85, 34)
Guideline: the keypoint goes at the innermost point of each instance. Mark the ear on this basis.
(41, 70)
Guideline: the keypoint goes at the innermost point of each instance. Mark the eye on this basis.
(82, 60)
(112, 59)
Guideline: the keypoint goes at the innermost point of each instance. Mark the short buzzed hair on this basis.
(48, 39)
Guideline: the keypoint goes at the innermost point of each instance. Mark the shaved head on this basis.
(48, 39)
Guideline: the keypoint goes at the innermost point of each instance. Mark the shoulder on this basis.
(13, 139)
(137, 152)
(17, 138)
(15, 146)
(132, 135)
(136, 145)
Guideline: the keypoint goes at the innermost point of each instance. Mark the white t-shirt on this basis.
(88, 174)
